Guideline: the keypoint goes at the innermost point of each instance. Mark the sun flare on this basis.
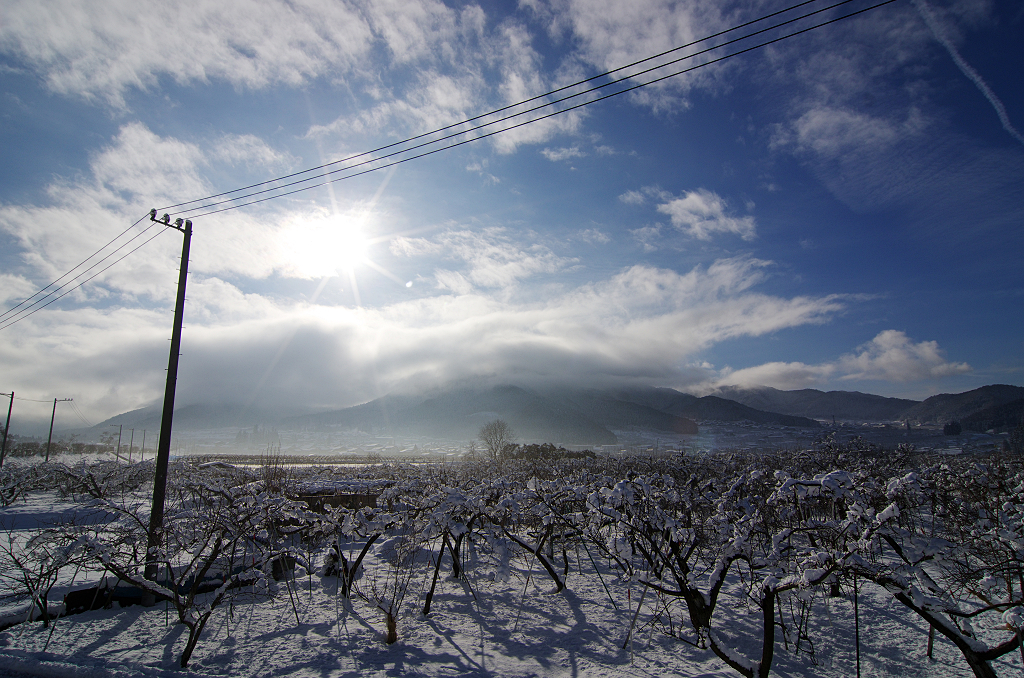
(327, 246)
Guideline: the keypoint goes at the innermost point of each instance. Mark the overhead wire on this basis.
(78, 413)
(79, 265)
(70, 401)
(160, 232)
(377, 159)
(197, 212)
(13, 308)
(509, 106)
(7, 319)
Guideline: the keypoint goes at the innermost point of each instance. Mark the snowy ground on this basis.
(481, 625)
(477, 627)
(503, 633)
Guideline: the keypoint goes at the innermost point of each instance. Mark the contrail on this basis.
(965, 68)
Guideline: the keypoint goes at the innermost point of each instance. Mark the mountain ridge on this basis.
(570, 415)
(947, 407)
(808, 402)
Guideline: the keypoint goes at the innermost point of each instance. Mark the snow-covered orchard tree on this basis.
(950, 546)
(100, 480)
(30, 566)
(217, 537)
(753, 537)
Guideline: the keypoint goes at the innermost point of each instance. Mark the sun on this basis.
(327, 246)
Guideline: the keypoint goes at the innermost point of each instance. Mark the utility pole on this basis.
(52, 417)
(117, 451)
(131, 442)
(156, 517)
(142, 452)
(7, 428)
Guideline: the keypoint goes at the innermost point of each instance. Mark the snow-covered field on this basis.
(502, 617)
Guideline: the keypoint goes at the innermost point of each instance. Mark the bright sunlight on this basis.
(327, 245)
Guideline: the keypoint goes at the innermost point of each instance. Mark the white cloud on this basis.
(522, 77)
(647, 237)
(87, 212)
(781, 375)
(831, 132)
(249, 150)
(14, 288)
(640, 323)
(639, 197)
(104, 49)
(469, 69)
(413, 247)
(593, 236)
(141, 165)
(480, 167)
(892, 356)
(611, 34)
(559, 154)
(453, 281)
(702, 214)
(632, 198)
(493, 259)
(421, 64)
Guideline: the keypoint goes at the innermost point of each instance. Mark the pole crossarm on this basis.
(178, 224)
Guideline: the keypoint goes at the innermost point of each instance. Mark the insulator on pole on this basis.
(166, 218)
(152, 214)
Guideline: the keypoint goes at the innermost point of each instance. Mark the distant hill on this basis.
(192, 417)
(458, 415)
(999, 418)
(567, 415)
(809, 402)
(708, 408)
(946, 407)
(559, 415)
(619, 413)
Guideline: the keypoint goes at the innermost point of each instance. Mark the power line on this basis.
(7, 319)
(511, 106)
(81, 416)
(452, 135)
(79, 265)
(192, 211)
(18, 319)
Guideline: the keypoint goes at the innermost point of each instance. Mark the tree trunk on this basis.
(392, 624)
(981, 668)
(454, 548)
(433, 583)
(194, 631)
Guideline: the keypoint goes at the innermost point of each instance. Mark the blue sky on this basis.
(841, 210)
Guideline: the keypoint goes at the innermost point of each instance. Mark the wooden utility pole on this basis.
(52, 417)
(7, 428)
(156, 517)
(117, 450)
